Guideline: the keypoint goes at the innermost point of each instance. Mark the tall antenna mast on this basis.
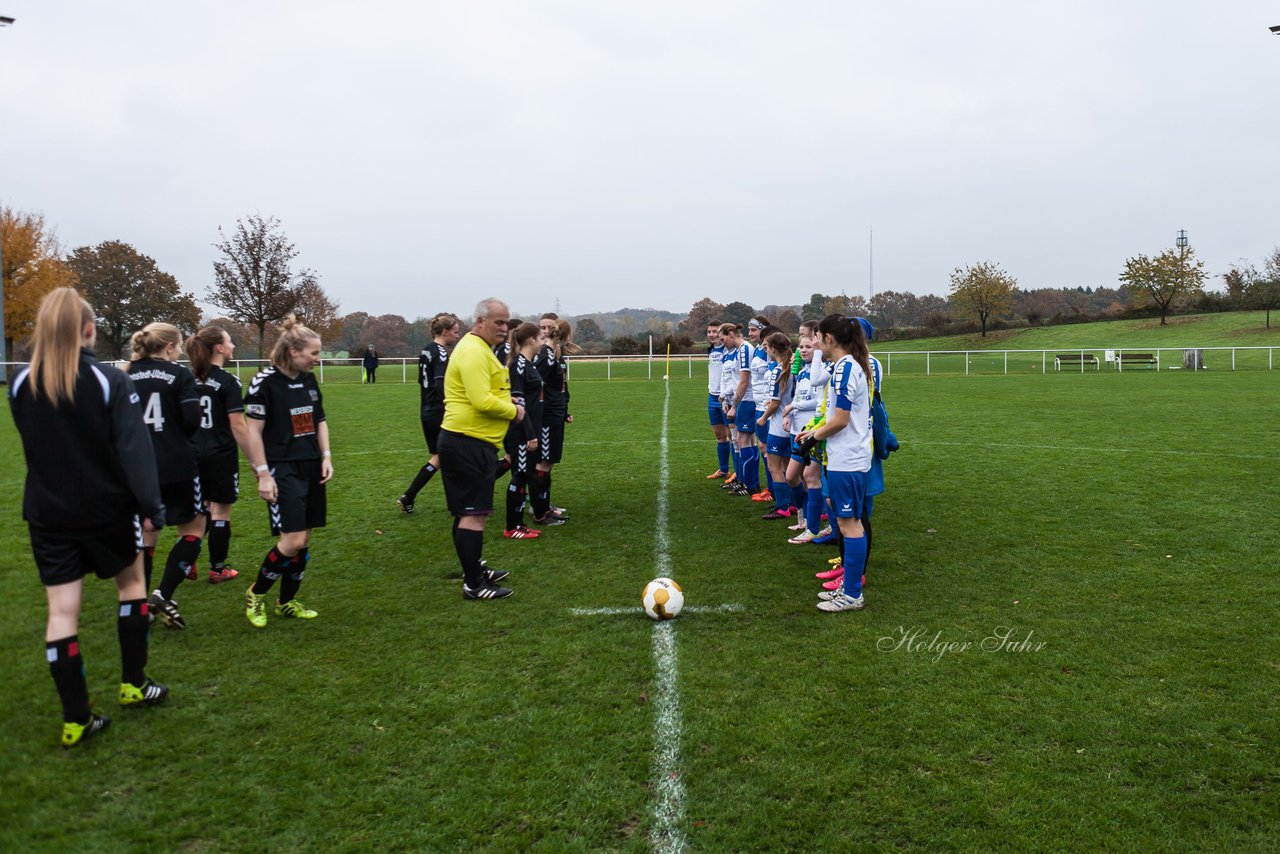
(871, 237)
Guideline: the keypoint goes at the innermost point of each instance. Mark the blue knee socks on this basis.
(855, 557)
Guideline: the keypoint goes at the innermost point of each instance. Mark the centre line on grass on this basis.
(728, 608)
(668, 811)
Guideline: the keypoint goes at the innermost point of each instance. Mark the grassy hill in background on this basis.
(1228, 329)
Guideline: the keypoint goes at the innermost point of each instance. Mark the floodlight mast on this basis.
(5, 21)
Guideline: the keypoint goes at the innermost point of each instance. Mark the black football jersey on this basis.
(91, 465)
(292, 410)
(526, 389)
(220, 395)
(432, 361)
(165, 387)
(554, 391)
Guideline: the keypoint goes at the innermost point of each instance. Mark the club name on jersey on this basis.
(301, 410)
(153, 375)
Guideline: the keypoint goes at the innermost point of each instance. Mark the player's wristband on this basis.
(325, 454)
(260, 469)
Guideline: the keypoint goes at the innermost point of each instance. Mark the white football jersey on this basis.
(715, 367)
(781, 387)
(760, 384)
(849, 449)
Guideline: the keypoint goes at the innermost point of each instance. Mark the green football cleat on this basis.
(255, 608)
(148, 693)
(74, 733)
(294, 608)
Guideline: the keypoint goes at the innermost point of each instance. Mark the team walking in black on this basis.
(114, 457)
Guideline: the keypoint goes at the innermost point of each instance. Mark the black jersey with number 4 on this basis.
(432, 361)
(170, 408)
(220, 395)
(292, 410)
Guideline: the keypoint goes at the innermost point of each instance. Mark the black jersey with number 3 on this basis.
(220, 395)
(168, 394)
(432, 362)
(292, 410)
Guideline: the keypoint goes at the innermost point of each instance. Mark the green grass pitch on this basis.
(1125, 522)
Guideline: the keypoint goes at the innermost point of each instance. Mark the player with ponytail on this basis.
(222, 427)
(171, 409)
(846, 429)
(91, 491)
(288, 447)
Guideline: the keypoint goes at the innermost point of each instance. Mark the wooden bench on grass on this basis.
(1080, 359)
(1150, 359)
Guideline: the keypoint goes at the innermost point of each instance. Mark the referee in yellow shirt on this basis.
(477, 411)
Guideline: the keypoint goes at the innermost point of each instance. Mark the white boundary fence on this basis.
(924, 362)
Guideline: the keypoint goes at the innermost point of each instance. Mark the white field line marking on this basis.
(423, 451)
(668, 812)
(636, 609)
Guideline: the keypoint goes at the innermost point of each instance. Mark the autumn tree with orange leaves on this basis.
(30, 267)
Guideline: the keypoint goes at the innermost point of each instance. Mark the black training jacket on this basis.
(90, 464)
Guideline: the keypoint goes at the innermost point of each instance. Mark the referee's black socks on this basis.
(185, 552)
(470, 547)
(66, 666)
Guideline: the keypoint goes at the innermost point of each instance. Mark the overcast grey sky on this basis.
(646, 154)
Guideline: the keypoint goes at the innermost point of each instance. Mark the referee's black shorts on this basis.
(62, 559)
(468, 467)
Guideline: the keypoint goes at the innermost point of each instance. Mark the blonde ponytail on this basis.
(293, 336)
(59, 334)
(152, 339)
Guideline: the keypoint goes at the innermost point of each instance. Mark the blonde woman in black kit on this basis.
(288, 447)
(91, 491)
(171, 409)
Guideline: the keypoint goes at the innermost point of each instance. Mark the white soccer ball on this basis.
(662, 599)
(665, 377)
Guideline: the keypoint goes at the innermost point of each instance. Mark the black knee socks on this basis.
(470, 546)
(66, 666)
(219, 543)
(292, 579)
(132, 628)
(423, 477)
(515, 505)
(184, 553)
(273, 566)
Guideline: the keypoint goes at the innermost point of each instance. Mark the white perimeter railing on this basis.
(925, 362)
